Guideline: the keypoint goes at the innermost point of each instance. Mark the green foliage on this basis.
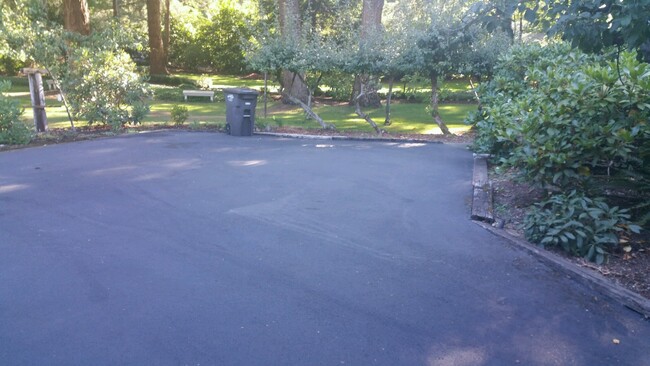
(168, 94)
(596, 25)
(593, 26)
(216, 43)
(10, 66)
(223, 38)
(579, 225)
(338, 85)
(184, 51)
(412, 96)
(171, 80)
(564, 117)
(449, 96)
(105, 87)
(179, 114)
(483, 54)
(12, 129)
(14, 34)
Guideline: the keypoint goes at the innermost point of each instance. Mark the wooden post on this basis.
(265, 90)
(38, 97)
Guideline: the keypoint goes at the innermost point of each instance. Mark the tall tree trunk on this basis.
(156, 51)
(370, 28)
(167, 30)
(290, 29)
(76, 16)
(116, 9)
(435, 113)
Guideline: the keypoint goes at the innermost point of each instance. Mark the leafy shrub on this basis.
(16, 80)
(448, 96)
(10, 65)
(170, 80)
(412, 96)
(216, 44)
(12, 130)
(168, 94)
(179, 114)
(563, 117)
(339, 86)
(581, 226)
(105, 87)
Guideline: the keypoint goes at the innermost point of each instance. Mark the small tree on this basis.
(440, 50)
(104, 87)
(482, 55)
(440, 39)
(399, 55)
(221, 41)
(98, 80)
(365, 63)
(307, 60)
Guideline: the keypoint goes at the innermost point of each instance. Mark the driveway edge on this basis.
(344, 138)
(482, 195)
(483, 215)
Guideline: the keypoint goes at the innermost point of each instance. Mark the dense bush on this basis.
(12, 130)
(449, 96)
(214, 44)
(105, 87)
(564, 117)
(171, 80)
(581, 226)
(338, 86)
(10, 66)
(571, 122)
(168, 94)
(184, 47)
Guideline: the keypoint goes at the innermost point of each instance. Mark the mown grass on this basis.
(405, 117)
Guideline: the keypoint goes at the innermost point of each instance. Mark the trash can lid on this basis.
(240, 91)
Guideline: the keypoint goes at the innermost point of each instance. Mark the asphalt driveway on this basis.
(179, 248)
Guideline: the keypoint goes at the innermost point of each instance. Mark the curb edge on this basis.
(595, 281)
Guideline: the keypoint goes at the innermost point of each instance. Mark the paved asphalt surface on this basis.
(177, 248)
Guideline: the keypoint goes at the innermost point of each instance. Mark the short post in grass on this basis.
(38, 97)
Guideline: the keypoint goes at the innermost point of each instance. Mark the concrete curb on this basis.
(482, 213)
(482, 197)
(584, 276)
(345, 138)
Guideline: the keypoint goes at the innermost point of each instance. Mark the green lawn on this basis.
(406, 117)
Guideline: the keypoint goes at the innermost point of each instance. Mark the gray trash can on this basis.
(240, 111)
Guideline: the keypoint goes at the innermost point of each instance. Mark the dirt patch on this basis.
(512, 198)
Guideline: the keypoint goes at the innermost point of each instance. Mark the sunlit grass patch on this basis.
(405, 117)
